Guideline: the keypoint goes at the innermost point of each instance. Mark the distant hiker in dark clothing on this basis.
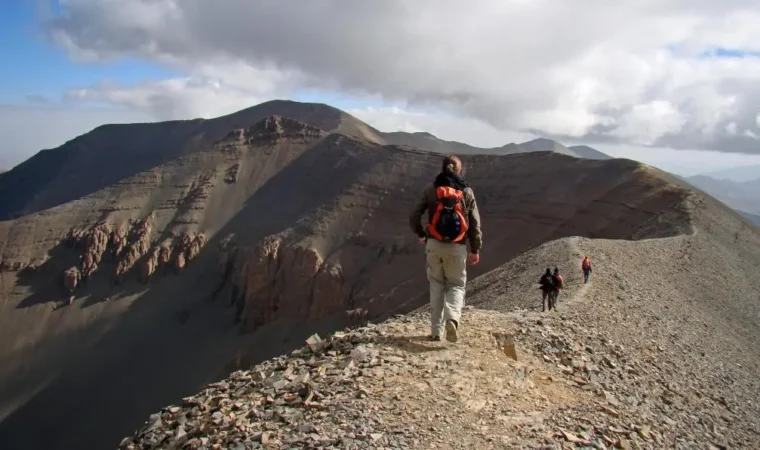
(559, 283)
(547, 287)
(586, 267)
(453, 222)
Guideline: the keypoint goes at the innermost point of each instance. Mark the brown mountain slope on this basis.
(281, 219)
(117, 152)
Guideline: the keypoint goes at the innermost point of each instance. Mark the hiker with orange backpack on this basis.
(586, 268)
(453, 222)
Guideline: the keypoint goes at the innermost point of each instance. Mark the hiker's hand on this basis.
(474, 258)
(423, 240)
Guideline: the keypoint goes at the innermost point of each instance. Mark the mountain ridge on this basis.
(280, 229)
(737, 174)
(55, 176)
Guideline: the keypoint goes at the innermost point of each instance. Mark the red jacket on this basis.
(561, 282)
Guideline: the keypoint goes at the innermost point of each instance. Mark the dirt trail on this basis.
(388, 386)
(577, 253)
(470, 394)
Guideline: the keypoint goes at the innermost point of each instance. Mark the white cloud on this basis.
(578, 69)
(211, 91)
(470, 131)
(647, 122)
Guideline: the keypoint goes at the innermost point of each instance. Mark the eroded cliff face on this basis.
(131, 249)
(280, 277)
(356, 255)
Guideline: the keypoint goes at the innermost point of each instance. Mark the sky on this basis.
(672, 83)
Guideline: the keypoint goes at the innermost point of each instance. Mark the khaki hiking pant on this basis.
(447, 273)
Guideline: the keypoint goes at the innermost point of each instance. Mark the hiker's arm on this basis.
(415, 218)
(473, 232)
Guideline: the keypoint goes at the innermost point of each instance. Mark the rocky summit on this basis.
(143, 263)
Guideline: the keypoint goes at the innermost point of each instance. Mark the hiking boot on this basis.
(434, 338)
(451, 331)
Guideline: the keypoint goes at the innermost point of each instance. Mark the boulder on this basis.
(71, 277)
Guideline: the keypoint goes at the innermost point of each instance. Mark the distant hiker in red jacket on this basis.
(586, 268)
(453, 221)
(559, 283)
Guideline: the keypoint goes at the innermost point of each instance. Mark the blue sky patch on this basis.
(35, 70)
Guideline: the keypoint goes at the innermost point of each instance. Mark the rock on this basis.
(506, 343)
(315, 343)
(119, 240)
(186, 248)
(277, 275)
(95, 241)
(137, 245)
(611, 399)
(363, 354)
(150, 264)
(71, 277)
(393, 359)
(231, 174)
(644, 432)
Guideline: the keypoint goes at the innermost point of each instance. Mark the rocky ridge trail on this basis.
(387, 386)
(627, 361)
(673, 345)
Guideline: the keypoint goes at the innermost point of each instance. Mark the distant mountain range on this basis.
(429, 142)
(742, 196)
(754, 218)
(738, 174)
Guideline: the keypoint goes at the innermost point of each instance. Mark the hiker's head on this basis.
(556, 270)
(548, 270)
(452, 165)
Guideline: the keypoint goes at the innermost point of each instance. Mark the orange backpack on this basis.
(449, 223)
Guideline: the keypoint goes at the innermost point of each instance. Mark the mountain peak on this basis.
(275, 127)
